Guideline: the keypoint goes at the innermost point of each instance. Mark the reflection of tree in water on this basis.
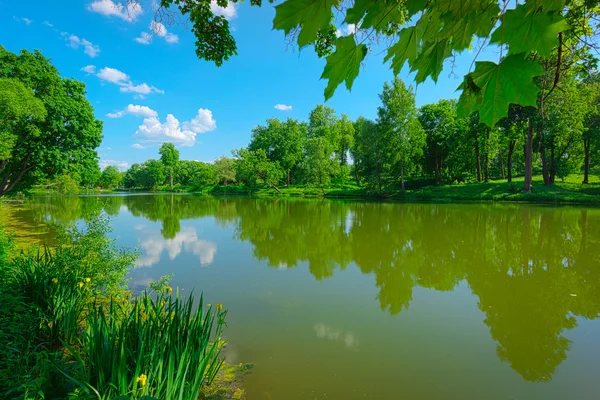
(532, 268)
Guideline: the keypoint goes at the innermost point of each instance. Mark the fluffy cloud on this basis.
(153, 131)
(186, 240)
(120, 78)
(229, 12)
(109, 8)
(283, 107)
(157, 29)
(89, 48)
(138, 146)
(121, 165)
(138, 111)
(346, 30)
(89, 69)
(203, 122)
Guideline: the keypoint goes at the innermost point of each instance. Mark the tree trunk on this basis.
(477, 159)
(487, 156)
(402, 176)
(501, 162)
(323, 189)
(171, 175)
(511, 149)
(288, 177)
(276, 188)
(528, 157)
(552, 166)
(438, 171)
(586, 160)
(545, 173)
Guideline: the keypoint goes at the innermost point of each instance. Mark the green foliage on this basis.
(169, 156)
(225, 170)
(310, 15)
(110, 178)
(147, 175)
(205, 175)
(253, 166)
(162, 346)
(67, 115)
(343, 64)
(318, 165)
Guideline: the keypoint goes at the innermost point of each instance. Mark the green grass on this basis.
(571, 191)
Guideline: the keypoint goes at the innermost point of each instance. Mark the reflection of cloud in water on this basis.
(327, 332)
(187, 239)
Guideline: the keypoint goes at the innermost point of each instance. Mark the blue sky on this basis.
(205, 110)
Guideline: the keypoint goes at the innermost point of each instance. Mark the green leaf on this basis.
(406, 49)
(492, 87)
(525, 32)
(357, 11)
(462, 30)
(343, 64)
(310, 15)
(547, 5)
(414, 6)
(430, 61)
(375, 14)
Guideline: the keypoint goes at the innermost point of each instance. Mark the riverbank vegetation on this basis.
(70, 328)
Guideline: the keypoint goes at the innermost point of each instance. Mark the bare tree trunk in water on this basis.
(477, 159)
(528, 157)
(586, 160)
(501, 162)
(511, 149)
(402, 175)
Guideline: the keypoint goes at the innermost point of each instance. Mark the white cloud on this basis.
(89, 48)
(109, 8)
(114, 76)
(142, 89)
(138, 146)
(145, 38)
(203, 122)
(90, 69)
(138, 111)
(48, 24)
(186, 240)
(157, 29)
(120, 78)
(171, 38)
(346, 30)
(152, 130)
(283, 107)
(229, 12)
(27, 21)
(121, 165)
(330, 333)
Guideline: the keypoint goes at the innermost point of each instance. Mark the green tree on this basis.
(29, 133)
(225, 169)
(111, 177)
(591, 134)
(281, 141)
(206, 174)
(252, 166)
(319, 164)
(369, 153)
(423, 34)
(169, 156)
(397, 118)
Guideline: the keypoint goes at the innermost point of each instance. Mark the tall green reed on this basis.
(160, 346)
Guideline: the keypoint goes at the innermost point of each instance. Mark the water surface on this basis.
(360, 300)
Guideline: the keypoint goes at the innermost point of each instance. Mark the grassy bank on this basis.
(571, 191)
(70, 328)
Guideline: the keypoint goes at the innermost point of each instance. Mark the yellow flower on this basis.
(87, 280)
(169, 289)
(141, 379)
(208, 305)
(219, 306)
(54, 280)
(50, 324)
(80, 284)
(162, 304)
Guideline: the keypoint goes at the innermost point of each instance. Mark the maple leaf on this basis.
(492, 87)
(343, 64)
(525, 32)
(310, 15)
(406, 49)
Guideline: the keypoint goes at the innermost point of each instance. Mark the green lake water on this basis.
(362, 300)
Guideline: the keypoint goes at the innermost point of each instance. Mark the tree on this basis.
(30, 149)
(206, 174)
(169, 156)
(318, 165)
(397, 118)
(440, 124)
(252, 166)
(423, 34)
(281, 141)
(591, 135)
(225, 169)
(369, 153)
(111, 177)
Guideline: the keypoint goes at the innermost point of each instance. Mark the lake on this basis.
(365, 300)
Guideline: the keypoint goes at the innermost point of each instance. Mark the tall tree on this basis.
(225, 170)
(42, 143)
(169, 156)
(111, 177)
(591, 135)
(397, 118)
(369, 153)
(318, 164)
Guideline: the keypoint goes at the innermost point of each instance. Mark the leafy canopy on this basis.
(423, 34)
